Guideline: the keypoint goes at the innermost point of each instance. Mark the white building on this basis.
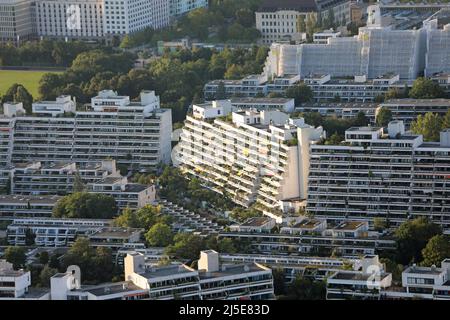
(279, 20)
(70, 18)
(128, 16)
(180, 7)
(251, 156)
(131, 195)
(323, 36)
(135, 134)
(281, 104)
(63, 104)
(393, 176)
(27, 206)
(375, 51)
(13, 283)
(16, 21)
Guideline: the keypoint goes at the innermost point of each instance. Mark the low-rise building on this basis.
(13, 283)
(407, 110)
(323, 36)
(281, 104)
(131, 195)
(344, 110)
(62, 104)
(256, 224)
(27, 206)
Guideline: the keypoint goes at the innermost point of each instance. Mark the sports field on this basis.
(28, 78)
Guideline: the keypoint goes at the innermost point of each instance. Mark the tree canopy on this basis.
(436, 250)
(85, 205)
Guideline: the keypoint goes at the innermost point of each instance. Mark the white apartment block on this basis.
(250, 156)
(212, 280)
(395, 176)
(16, 23)
(325, 88)
(278, 20)
(345, 110)
(62, 105)
(135, 134)
(323, 36)
(281, 104)
(127, 195)
(70, 18)
(375, 51)
(128, 16)
(13, 283)
(180, 7)
(407, 110)
(56, 178)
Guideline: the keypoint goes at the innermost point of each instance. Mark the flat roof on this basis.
(349, 225)
(166, 271)
(20, 199)
(261, 100)
(307, 224)
(231, 269)
(421, 102)
(112, 288)
(256, 222)
(114, 232)
(424, 270)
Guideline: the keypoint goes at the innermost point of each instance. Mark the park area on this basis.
(28, 78)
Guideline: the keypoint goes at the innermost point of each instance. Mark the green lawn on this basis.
(29, 79)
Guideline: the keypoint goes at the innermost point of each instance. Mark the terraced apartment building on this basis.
(135, 134)
(251, 156)
(394, 176)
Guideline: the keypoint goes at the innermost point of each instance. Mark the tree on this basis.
(426, 89)
(278, 281)
(428, 125)
(16, 256)
(330, 20)
(379, 224)
(383, 116)
(160, 235)
(301, 93)
(45, 275)
(44, 257)
(411, 237)
(18, 93)
(128, 219)
(29, 237)
(220, 93)
(436, 250)
(186, 246)
(301, 24)
(85, 205)
(334, 139)
(78, 185)
(307, 289)
(446, 121)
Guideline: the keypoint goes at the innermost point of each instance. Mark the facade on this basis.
(323, 36)
(57, 178)
(13, 284)
(314, 237)
(16, 23)
(394, 176)
(367, 284)
(127, 195)
(407, 110)
(280, 20)
(251, 156)
(212, 280)
(135, 134)
(345, 110)
(70, 18)
(251, 86)
(375, 51)
(62, 105)
(52, 232)
(180, 7)
(128, 16)
(27, 206)
(352, 89)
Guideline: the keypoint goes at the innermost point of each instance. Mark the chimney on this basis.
(209, 261)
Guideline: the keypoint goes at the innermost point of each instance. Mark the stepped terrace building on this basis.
(407, 110)
(251, 156)
(27, 206)
(395, 176)
(135, 134)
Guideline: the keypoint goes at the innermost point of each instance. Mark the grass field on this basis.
(28, 78)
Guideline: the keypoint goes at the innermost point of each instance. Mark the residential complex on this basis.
(407, 110)
(16, 23)
(27, 206)
(251, 156)
(375, 51)
(390, 175)
(135, 134)
(212, 280)
(279, 20)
